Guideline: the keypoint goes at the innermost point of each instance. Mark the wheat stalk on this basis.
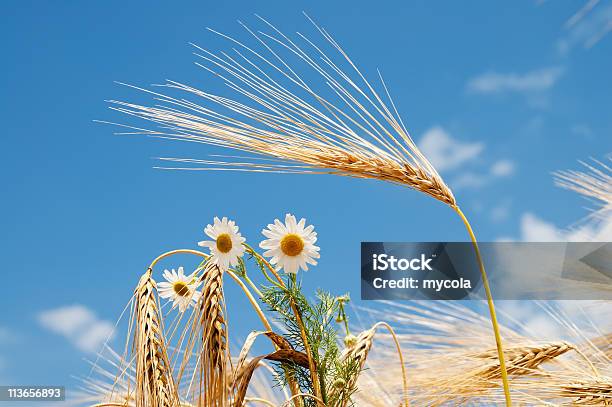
(154, 383)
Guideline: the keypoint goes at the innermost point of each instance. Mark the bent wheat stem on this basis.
(251, 299)
(406, 401)
(292, 383)
(253, 286)
(244, 288)
(485, 283)
(177, 251)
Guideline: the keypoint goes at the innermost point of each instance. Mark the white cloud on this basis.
(446, 152)
(534, 229)
(79, 325)
(503, 168)
(493, 82)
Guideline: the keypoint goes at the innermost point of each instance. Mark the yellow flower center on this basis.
(224, 243)
(181, 288)
(292, 244)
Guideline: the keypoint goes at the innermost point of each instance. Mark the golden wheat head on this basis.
(211, 347)
(594, 392)
(155, 385)
(336, 123)
(523, 360)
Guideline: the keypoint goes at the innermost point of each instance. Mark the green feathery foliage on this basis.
(319, 320)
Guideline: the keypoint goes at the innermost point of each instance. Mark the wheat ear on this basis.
(357, 354)
(155, 386)
(525, 360)
(300, 130)
(594, 392)
(213, 358)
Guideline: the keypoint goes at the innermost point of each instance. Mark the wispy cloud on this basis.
(535, 229)
(445, 152)
(495, 82)
(79, 325)
(503, 168)
(587, 27)
(471, 179)
(448, 153)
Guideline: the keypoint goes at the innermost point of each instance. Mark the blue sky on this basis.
(498, 95)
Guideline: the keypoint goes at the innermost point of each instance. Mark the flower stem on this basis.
(314, 377)
(485, 283)
(344, 318)
(253, 286)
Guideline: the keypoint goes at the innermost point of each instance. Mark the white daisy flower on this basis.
(179, 288)
(291, 245)
(226, 246)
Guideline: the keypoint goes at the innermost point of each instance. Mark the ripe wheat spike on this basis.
(282, 118)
